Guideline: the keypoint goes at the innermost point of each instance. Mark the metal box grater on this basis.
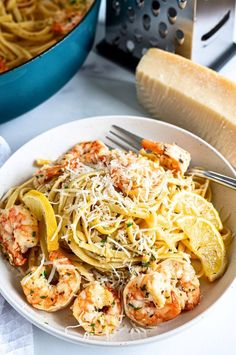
(201, 30)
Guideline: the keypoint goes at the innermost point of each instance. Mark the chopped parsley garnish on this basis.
(73, 2)
(103, 241)
(33, 234)
(43, 297)
(153, 258)
(145, 264)
(143, 288)
(129, 224)
(135, 308)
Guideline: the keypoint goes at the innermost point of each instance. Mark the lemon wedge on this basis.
(205, 241)
(190, 203)
(43, 211)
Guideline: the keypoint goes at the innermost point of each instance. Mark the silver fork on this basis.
(130, 141)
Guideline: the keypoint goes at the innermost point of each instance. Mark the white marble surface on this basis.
(102, 88)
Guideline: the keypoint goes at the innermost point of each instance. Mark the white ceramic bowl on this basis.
(56, 141)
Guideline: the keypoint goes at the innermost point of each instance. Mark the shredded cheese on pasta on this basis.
(116, 218)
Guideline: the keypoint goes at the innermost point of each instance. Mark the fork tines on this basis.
(132, 141)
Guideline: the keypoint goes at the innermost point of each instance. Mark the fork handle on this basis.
(216, 177)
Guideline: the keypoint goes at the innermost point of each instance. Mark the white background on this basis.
(102, 88)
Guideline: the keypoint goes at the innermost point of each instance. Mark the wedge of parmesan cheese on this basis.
(178, 91)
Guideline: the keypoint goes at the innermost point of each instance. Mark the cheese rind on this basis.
(176, 90)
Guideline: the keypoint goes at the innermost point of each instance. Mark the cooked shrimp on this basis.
(18, 233)
(160, 296)
(119, 167)
(184, 280)
(171, 155)
(98, 309)
(41, 294)
(136, 176)
(149, 300)
(65, 21)
(52, 171)
(3, 65)
(89, 152)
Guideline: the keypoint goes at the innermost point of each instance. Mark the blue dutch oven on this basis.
(26, 86)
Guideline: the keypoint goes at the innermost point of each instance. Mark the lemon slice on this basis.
(190, 203)
(43, 211)
(205, 241)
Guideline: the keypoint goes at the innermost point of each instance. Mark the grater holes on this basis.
(130, 45)
(163, 29)
(179, 35)
(140, 3)
(138, 35)
(146, 22)
(172, 15)
(182, 4)
(156, 7)
(153, 41)
(116, 7)
(131, 14)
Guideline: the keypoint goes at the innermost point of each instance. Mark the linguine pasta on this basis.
(108, 229)
(29, 27)
(124, 223)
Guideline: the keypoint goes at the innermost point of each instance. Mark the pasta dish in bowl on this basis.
(29, 27)
(114, 238)
(43, 43)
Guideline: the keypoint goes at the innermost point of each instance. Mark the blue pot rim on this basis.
(54, 45)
